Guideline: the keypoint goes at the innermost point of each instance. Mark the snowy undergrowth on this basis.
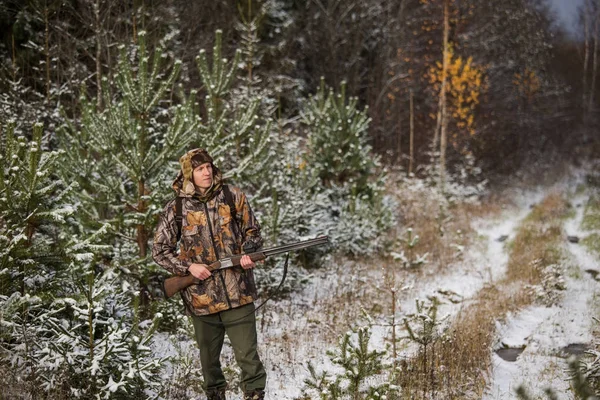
(308, 323)
(305, 326)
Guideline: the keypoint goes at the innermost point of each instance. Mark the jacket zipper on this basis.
(212, 240)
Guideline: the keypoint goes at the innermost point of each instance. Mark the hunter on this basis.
(215, 220)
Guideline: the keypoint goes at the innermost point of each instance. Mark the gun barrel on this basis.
(295, 246)
(174, 284)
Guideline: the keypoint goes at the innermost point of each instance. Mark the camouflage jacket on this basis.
(208, 233)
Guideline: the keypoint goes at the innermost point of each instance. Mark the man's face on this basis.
(203, 176)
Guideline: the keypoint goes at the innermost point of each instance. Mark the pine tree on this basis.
(32, 206)
(359, 365)
(68, 326)
(338, 151)
(234, 132)
(124, 157)
(425, 328)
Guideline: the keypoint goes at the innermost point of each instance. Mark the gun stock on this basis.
(175, 284)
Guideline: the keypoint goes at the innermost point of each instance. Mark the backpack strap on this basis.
(230, 203)
(178, 215)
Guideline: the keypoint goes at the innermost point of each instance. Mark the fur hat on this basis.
(184, 183)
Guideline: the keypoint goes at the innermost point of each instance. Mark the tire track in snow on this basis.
(484, 263)
(547, 331)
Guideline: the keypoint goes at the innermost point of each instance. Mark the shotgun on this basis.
(175, 284)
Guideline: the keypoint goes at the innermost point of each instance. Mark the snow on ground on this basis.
(303, 327)
(499, 231)
(546, 332)
(299, 320)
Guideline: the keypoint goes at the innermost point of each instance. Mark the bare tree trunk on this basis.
(134, 23)
(14, 58)
(394, 351)
(142, 235)
(412, 135)
(595, 60)
(47, 51)
(443, 120)
(251, 50)
(586, 56)
(399, 134)
(438, 122)
(107, 46)
(98, 53)
(442, 98)
(91, 315)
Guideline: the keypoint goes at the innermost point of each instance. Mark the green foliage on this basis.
(84, 342)
(359, 364)
(235, 132)
(123, 156)
(425, 328)
(32, 204)
(408, 257)
(338, 151)
(428, 327)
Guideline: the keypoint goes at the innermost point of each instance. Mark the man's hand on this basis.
(199, 271)
(247, 263)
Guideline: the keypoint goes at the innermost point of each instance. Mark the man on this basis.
(223, 300)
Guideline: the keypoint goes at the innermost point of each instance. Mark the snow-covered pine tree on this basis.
(32, 207)
(408, 257)
(235, 133)
(338, 150)
(338, 154)
(32, 210)
(100, 349)
(125, 156)
(425, 328)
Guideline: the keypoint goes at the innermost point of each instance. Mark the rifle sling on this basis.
(178, 215)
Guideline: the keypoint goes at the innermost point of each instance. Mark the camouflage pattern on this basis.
(208, 234)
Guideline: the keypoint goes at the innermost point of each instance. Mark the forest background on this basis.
(307, 105)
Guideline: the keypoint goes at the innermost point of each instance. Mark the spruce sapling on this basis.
(360, 365)
(428, 329)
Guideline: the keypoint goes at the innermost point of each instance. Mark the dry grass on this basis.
(458, 366)
(591, 220)
(440, 225)
(537, 241)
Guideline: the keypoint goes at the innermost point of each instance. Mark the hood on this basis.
(183, 184)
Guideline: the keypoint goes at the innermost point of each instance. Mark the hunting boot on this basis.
(256, 394)
(216, 394)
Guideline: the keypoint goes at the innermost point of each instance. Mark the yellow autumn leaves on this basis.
(465, 85)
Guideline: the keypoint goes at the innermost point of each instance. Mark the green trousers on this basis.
(210, 332)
